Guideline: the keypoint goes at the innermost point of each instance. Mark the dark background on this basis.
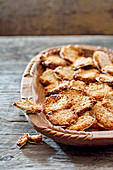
(56, 17)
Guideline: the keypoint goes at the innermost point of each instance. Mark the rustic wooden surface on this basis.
(54, 17)
(15, 53)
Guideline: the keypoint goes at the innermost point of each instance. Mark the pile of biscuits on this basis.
(78, 89)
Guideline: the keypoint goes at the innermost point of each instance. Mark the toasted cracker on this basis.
(28, 106)
(82, 103)
(72, 93)
(104, 117)
(101, 59)
(56, 88)
(83, 122)
(22, 140)
(105, 78)
(48, 77)
(95, 123)
(63, 117)
(52, 61)
(97, 90)
(108, 69)
(95, 126)
(82, 62)
(108, 101)
(57, 102)
(91, 113)
(70, 53)
(77, 85)
(35, 139)
(86, 75)
(64, 73)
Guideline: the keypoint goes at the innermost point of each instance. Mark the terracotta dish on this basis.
(32, 89)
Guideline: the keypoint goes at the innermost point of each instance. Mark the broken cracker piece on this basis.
(35, 139)
(28, 106)
(22, 140)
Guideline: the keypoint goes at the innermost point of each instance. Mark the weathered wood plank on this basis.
(32, 45)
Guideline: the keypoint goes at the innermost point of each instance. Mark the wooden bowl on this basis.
(33, 90)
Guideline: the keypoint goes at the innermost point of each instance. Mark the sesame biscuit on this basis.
(101, 59)
(97, 90)
(82, 103)
(92, 113)
(86, 75)
(103, 116)
(48, 77)
(82, 62)
(52, 61)
(83, 122)
(56, 88)
(57, 102)
(63, 117)
(77, 85)
(108, 101)
(72, 93)
(64, 73)
(105, 78)
(108, 69)
(70, 53)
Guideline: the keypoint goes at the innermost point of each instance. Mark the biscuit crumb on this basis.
(22, 140)
(34, 139)
(28, 106)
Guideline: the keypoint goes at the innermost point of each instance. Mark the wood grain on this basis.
(50, 155)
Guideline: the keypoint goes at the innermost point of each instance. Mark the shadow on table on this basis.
(51, 152)
(38, 153)
(89, 156)
(86, 151)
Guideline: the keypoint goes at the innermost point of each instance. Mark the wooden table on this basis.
(15, 53)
